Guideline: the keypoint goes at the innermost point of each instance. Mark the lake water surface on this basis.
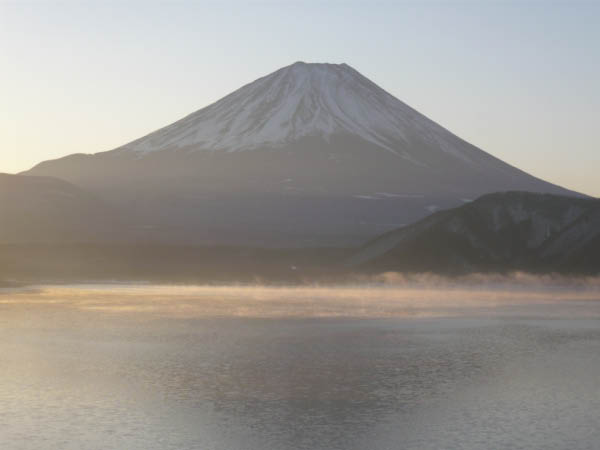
(277, 368)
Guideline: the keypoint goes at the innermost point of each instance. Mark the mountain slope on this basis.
(47, 210)
(312, 154)
(513, 230)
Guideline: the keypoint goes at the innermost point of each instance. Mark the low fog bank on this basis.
(511, 280)
(387, 295)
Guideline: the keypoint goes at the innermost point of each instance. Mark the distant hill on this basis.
(52, 230)
(497, 232)
(46, 210)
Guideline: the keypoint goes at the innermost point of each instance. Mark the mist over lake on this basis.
(405, 364)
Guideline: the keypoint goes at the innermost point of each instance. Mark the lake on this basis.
(390, 366)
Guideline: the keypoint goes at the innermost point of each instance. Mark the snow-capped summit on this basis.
(312, 154)
(297, 101)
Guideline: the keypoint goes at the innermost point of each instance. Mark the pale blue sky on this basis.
(518, 79)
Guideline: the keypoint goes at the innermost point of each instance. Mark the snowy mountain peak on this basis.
(303, 99)
(310, 154)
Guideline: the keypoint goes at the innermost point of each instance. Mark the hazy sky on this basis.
(521, 80)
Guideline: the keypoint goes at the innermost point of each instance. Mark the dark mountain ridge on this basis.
(497, 232)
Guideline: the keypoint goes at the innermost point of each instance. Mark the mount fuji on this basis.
(312, 154)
